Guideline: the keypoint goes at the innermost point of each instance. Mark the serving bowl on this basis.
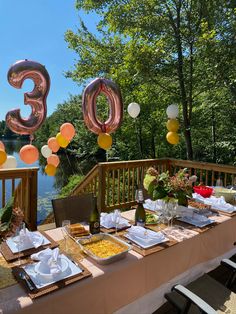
(204, 191)
(228, 194)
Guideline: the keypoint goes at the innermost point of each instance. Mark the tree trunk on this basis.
(183, 94)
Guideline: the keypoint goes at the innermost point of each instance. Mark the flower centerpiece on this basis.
(164, 186)
(10, 218)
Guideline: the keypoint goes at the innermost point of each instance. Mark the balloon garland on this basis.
(172, 124)
(62, 139)
(102, 129)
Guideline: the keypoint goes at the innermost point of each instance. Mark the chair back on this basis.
(74, 208)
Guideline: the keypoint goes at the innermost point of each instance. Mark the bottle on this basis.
(140, 215)
(94, 219)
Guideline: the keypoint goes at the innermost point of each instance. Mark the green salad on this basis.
(151, 218)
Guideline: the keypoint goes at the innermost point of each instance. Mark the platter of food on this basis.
(77, 230)
(104, 248)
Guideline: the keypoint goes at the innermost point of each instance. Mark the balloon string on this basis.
(31, 138)
(73, 168)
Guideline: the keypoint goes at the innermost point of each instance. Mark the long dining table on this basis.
(135, 284)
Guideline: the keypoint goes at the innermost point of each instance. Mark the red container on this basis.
(204, 191)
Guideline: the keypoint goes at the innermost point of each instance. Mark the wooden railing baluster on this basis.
(131, 173)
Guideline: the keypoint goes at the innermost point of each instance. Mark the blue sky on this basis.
(34, 30)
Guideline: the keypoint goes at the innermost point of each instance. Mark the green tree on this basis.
(159, 52)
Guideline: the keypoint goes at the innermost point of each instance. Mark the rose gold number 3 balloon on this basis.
(18, 72)
(112, 92)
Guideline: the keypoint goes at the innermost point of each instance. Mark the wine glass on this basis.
(168, 213)
(173, 204)
(116, 218)
(65, 231)
(18, 240)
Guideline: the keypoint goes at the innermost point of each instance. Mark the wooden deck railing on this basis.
(115, 182)
(21, 183)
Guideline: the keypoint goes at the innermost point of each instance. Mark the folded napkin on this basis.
(108, 221)
(145, 234)
(50, 258)
(153, 205)
(29, 238)
(215, 202)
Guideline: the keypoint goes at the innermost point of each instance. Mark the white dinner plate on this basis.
(197, 220)
(146, 243)
(41, 240)
(44, 270)
(42, 281)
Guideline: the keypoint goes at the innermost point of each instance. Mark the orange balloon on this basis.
(29, 154)
(2, 146)
(53, 160)
(104, 140)
(3, 156)
(53, 145)
(172, 138)
(50, 170)
(67, 131)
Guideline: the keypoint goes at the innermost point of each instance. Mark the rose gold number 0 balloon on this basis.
(112, 92)
(18, 72)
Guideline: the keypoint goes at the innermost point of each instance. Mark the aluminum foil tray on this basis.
(104, 236)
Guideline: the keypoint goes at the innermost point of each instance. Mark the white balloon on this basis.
(10, 163)
(46, 151)
(172, 111)
(133, 110)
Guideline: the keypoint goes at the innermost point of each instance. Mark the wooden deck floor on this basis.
(220, 273)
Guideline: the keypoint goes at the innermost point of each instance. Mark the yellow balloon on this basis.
(104, 140)
(3, 156)
(63, 142)
(50, 170)
(172, 125)
(172, 138)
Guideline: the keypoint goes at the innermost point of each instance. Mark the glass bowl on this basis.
(204, 191)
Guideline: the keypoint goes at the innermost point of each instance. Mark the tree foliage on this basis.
(163, 52)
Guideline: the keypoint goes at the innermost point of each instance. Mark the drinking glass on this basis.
(65, 231)
(174, 204)
(116, 218)
(18, 238)
(168, 212)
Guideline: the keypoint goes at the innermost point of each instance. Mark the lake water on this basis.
(48, 187)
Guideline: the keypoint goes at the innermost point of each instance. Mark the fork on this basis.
(27, 280)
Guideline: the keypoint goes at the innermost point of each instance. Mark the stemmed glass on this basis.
(168, 212)
(65, 229)
(116, 218)
(174, 204)
(18, 240)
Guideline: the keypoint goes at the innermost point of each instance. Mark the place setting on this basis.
(24, 243)
(145, 240)
(49, 270)
(113, 222)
